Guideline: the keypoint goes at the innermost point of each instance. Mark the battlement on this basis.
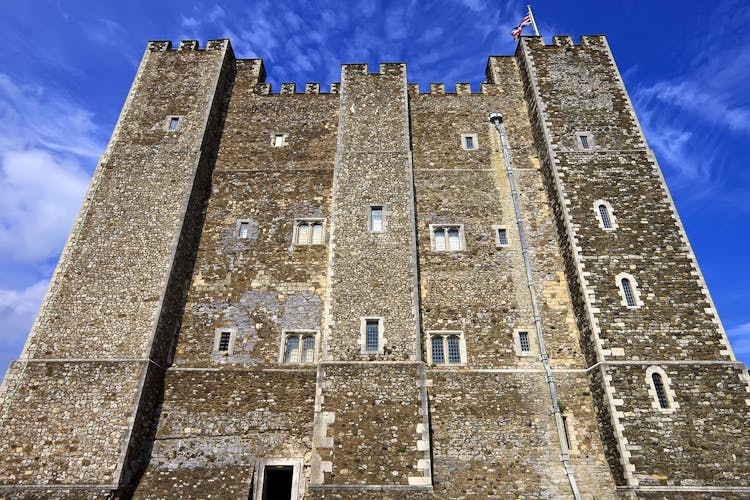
(185, 45)
(566, 41)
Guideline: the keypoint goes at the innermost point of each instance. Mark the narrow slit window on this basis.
(292, 349)
(502, 237)
(565, 429)
(523, 339)
(372, 336)
(224, 341)
(661, 393)
(376, 219)
(604, 213)
(454, 350)
(244, 229)
(438, 354)
(627, 289)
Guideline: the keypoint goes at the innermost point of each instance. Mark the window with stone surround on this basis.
(659, 388)
(585, 140)
(278, 478)
(469, 142)
(446, 348)
(172, 123)
(224, 339)
(309, 232)
(447, 237)
(242, 228)
(605, 215)
(501, 236)
(279, 140)
(376, 219)
(629, 293)
(298, 346)
(372, 340)
(523, 343)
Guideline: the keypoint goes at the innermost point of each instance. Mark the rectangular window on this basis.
(308, 232)
(469, 142)
(372, 336)
(299, 347)
(376, 219)
(523, 339)
(502, 237)
(277, 478)
(244, 228)
(584, 142)
(447, 238)
(278, 140)
(174, 123)
(224, 341)
(447, 348)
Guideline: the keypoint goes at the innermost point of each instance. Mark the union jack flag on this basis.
(516, 32)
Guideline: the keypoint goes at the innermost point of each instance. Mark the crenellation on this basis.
(334, 286)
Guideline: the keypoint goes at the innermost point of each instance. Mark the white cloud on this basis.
(39, 197)
(739, 337)
(17, 311)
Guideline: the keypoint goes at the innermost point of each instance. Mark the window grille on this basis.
(438, 354)
(224, 341)
(303, 234)
(440, 240)
(454, 241)
(308, 232)
(604, 213)
(292, 349)
(372, 336)
(627, 289)
(523, 339)
(661, 394)
(308, 349)
(502, 236)
(469, 142)
(454, 350)
(447, 238)
(446, 348)
(584, 141)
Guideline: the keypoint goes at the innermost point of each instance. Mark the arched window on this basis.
(629, 292)
(663, 397)
(604, 213)
(627, 289)
(661, 394)
(447, 238)
(309, 232)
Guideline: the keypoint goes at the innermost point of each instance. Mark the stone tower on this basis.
(377, 293)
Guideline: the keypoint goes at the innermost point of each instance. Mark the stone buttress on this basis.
(696, 442)
(77, 407)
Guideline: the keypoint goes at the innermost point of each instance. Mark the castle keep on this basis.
(374, 292)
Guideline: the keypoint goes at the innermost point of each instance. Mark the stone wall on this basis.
(574, 89)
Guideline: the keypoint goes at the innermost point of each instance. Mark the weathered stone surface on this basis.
(124, 388)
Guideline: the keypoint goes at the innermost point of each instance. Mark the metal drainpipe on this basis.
(497, 120)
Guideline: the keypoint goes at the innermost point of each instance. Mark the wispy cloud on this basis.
(739, 336)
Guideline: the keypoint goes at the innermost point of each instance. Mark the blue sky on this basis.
(66, 67)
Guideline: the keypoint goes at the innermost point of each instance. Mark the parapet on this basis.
(166, 45)
(384, 69)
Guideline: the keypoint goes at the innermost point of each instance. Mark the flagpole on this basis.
(533, 22)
